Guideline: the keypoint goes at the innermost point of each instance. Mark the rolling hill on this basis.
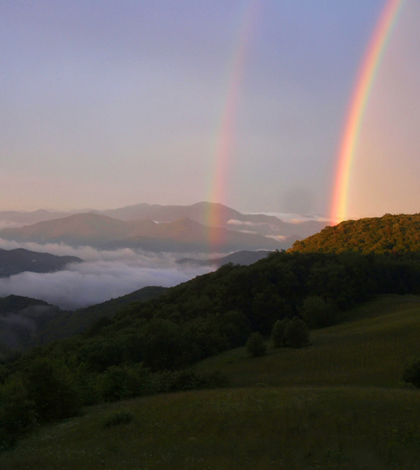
(20, 260)
(336, 404)
(387, 234)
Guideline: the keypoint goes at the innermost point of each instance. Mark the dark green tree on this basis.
(50, 386)
(277, 333)
(17, 412)
(255, 345)
(296, 334)
(317, 313)
(412, 373)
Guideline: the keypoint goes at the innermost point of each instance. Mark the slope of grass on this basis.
(255, 429)
(371, 348)
(334, 405)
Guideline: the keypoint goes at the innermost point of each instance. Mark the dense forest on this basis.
(149, 347)
(387, 234)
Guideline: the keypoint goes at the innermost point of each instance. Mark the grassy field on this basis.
(337, 404)
(371, 348)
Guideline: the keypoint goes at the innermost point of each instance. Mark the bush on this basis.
(412, 373)
(120, 382)
(277, 333)
(296, 334)
(168, 381)
(255, 345)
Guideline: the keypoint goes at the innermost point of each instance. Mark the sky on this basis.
(108, 103)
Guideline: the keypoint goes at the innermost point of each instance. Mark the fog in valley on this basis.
(103, 275)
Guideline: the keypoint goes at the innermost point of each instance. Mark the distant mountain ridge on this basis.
(104, 232)
(228, 218)
(387, 234)
(243, 258)
(20, 260)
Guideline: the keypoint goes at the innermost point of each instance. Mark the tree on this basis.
(277, 333)
(412, 373)
(17, 412)
(50, 386)
(255, 345)
(317, 313)
(296, 334)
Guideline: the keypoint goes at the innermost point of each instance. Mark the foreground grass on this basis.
(255, 428)
(333, 405)
(371, 348)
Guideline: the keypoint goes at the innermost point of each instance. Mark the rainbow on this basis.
(354, 120)
(224, 148)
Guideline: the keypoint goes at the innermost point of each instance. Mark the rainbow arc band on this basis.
(358, 102)
(223, 152)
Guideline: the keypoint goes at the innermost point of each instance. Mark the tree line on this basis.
(149, 347)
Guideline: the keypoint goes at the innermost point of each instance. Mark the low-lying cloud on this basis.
(103, 275)
(15, 327)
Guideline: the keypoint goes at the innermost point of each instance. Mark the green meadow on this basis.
(370, 348)
(337, 404)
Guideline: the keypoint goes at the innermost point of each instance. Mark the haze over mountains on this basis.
(132, 247)
(100, 231)
(157, 228)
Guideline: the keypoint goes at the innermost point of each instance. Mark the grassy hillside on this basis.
(387, 234)
(371, 348)
(249, 429)
(336, 404)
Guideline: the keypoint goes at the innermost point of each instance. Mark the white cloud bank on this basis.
(104, 275)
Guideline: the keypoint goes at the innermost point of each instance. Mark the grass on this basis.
(335, 405)
(252, 428)
(371, 348)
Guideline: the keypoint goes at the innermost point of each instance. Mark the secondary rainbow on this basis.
(224, 147)
(353, 123)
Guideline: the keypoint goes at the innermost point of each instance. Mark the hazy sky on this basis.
(106, 103)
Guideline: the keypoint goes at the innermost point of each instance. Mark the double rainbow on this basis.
(358, 103)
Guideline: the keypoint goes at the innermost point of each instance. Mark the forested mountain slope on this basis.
(387, 234)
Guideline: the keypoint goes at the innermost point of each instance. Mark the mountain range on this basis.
(100, 231)
(158, 228)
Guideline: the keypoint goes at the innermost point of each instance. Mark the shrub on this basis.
(119, 382)
(168, 381)
(411, 374)
(255, 345)
(296, 334)
(277, 333)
